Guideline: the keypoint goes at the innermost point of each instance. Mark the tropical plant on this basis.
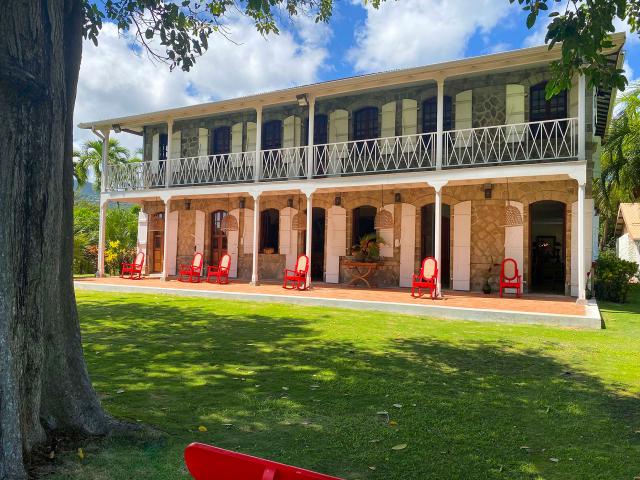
(368, 248)
(88, 159)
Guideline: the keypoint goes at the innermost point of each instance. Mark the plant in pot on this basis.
(486, 288)
(368, 248)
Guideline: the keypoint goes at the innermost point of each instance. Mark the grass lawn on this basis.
(304, 386)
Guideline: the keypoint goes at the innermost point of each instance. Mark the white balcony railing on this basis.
(135, 176)
(212, 169)
(392, 154)
(521, 142)
(502, 144)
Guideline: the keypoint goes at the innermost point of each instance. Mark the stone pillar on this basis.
(581, 260)
(256, 239)
(104, 205)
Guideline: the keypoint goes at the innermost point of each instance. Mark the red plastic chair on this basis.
(134, 270)
(297, 276)
(427, 278)
(510, 277)
(191, 273)
(212, 463)
(221, 272)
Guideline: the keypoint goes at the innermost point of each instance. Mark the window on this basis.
(363, 222)
(541, 109)
(365, 123)
(221, 141)
(270, 229)
(163, 140)
(272, 135)
(320, 129)
(430, 115)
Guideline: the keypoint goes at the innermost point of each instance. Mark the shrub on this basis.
(613, 276)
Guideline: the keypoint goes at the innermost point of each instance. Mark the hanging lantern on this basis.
(299, 221)
(512, 215)
(229, 223)
(383, 219)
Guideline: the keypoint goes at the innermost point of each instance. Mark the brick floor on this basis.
(541, 304)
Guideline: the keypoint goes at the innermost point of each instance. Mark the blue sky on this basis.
(117, 80)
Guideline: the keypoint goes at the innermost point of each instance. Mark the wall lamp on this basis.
(303, 100)
(242, 203)
(116, 127)
(337, 201)
(487, 187)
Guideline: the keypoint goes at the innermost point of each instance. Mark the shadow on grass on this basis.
(276, 381)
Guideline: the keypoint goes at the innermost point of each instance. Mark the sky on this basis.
(118, 79)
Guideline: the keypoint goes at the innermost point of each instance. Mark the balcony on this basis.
(496, 145)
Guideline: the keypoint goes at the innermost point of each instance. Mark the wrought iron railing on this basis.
(135, 176)
(212, 169)
(392, 154)
(284, 163)
(521, 142)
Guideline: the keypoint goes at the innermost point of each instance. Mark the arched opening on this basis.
(428, 239)
(270, 230)
(272, 135)
(363, 222)
(547, 226)
(219, 242)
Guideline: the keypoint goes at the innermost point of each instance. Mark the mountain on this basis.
(86, 192)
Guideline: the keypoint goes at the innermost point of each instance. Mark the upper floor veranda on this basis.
(481, 111)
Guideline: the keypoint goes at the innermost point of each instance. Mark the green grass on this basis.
(304, 385)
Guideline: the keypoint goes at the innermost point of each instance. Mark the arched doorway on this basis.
(270, 230)
(547, 227)
(219, 242)
(317, 244)
(363, 222)
(428, 238)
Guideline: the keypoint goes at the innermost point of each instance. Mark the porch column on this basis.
(105, 160)
(165, 253)
(310, 140)
(308, 232)
(257, 172)
(582, 121)
(437, 243)
(256, 239)
(439, 126)
(581, 271)
(167, 164)
(104, 205)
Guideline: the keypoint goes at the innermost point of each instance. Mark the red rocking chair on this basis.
(510, 277)
(191, 273)
(297, 276)
(221, 272)
(427, 278)
(205, 462)
(134, 270)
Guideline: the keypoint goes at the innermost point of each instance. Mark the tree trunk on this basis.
(44, 384)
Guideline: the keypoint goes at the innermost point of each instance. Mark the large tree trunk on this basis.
(44, 384)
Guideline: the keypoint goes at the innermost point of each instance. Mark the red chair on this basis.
(297, 276)
(134, 270)
(510, 277)
(221, 272)
(191, 273)
(205, 462)
(427, 278)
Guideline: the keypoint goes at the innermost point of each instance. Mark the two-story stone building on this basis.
(465, 161)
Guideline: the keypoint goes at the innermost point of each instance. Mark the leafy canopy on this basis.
(584, 28)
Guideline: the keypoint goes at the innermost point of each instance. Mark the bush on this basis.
(613, 276)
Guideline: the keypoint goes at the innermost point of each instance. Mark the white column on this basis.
(257, 172)
(105, 160)
(167, 164)
(308, 233)
(165, 254)
(438, 233)
(581, 260)
(256, 239)
(310, 140)
(582, 118)
(440, 125)
(104, 205)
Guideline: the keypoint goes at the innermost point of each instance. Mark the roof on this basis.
(629, 216)
(483, 64)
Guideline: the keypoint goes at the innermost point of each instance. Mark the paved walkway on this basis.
(543, 309)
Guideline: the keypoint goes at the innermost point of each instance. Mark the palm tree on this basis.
(89, 159)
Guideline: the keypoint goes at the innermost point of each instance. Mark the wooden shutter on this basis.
(514, 111)
(203, 148)
(514, 239)
(338, 133)
(176, 144)
(336, 242)
(143, 222)
(388, 127)
(171, 241)
(155, 154)
(462, 246)
(407, 244)
(199, 231)
(236, 148)
(232, 244)
(247, 232)
(409, 123)
(464, 110)
(386, 234)
(251, 143)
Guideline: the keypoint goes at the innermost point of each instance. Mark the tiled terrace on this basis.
(550, 310)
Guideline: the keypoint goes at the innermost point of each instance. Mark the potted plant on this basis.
(486, 288)
(368, 248)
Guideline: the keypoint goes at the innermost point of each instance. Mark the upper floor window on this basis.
(365, 124)
(541, 109)
(221, 141)
(320, 130)
(430, 114)
(163, 141)
(272, 135)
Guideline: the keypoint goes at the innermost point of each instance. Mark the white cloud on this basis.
(417, 32)
(116, 81)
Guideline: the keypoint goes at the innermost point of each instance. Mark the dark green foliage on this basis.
(612, 277)
(584, 28)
